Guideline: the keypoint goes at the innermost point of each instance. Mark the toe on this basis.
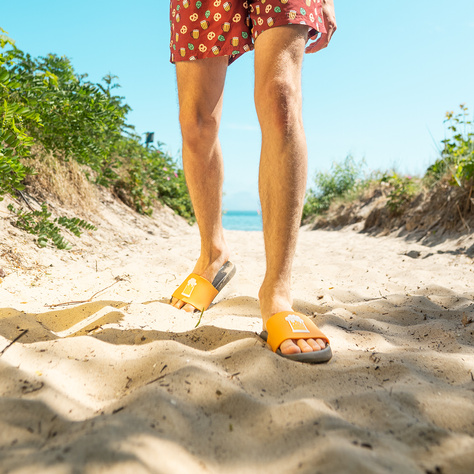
(322, 344)
(178, 304)
(289, 347)
(315, 346)
(174, 302)
(305, 346)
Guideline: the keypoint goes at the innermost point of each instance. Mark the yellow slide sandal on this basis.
(293, 325)
(199, 292)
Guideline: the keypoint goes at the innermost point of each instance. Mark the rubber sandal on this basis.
(292, 325)
(199, 292)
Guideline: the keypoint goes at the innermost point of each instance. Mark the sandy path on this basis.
(125, 383)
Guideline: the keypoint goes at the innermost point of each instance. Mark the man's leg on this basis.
(200, 92)
(283, 165)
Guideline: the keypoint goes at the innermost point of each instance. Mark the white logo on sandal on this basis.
(189, 287)
(296, 323)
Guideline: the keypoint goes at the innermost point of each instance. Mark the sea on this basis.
(242, 220)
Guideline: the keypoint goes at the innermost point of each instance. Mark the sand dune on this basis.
(125, 383)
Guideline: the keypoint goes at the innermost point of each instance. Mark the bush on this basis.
(338, 182)
(15, 143)
(79, 119)
(149, 174)
(44, 101)
(403, 189)
(457, 156)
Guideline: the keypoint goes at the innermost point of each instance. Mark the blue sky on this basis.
(379, 91)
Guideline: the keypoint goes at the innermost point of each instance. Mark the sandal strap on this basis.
(197, 291)
(291, 325)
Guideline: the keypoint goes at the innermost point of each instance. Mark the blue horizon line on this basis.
(241, 212)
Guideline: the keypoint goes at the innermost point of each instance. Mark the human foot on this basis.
(208, 269)
(276, 303)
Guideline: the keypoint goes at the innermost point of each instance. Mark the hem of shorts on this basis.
(209, 54)
(287, 21)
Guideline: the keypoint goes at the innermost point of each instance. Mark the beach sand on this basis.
(125, 383)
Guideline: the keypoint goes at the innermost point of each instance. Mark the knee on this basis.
(279, 105)
(197, 127)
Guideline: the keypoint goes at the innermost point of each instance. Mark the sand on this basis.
(125, 383)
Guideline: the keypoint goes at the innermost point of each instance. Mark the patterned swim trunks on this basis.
(208, 28)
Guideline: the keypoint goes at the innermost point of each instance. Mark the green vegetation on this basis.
(148, 175)
(457, 156)
(15, 143)
(345, 181)
(342, 180)
(43, 101)
(402, 191)
(39, 223)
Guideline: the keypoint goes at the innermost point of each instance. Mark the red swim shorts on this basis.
(208, 28)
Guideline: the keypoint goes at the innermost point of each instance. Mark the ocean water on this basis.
(242, 220)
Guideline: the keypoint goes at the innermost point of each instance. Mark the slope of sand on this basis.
(124, 383)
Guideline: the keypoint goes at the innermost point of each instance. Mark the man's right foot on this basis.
(208, 269)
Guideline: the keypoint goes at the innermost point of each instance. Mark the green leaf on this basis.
(4, 75)
(42, 241)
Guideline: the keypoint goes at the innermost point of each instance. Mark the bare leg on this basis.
(200, 91)
(283, 165)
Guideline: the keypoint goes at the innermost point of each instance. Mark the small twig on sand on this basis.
(69, 303)
(24, 199)
(462, 218)
(14, 340)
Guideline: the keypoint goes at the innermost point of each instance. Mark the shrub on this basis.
(339, 181)
(79, 119)
(403, 189)
(457, 156)
(15, 143)
(44, 101)
(149, 174)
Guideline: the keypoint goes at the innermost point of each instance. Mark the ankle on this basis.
(275, 288)
(274, 297)
(211, 259)
(215, 252)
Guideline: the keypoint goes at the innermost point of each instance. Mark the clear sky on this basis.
(379, 91)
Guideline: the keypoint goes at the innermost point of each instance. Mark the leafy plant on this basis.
(403, 190)
(43, 100)
(339, 181)
(39, 223)
(457, 156)
(15, 143)
(78, 119)
(150, 174)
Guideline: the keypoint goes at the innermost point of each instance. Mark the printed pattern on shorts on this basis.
(266, 14)
(207, 28)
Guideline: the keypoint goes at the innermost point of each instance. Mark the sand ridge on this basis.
(123, 382)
